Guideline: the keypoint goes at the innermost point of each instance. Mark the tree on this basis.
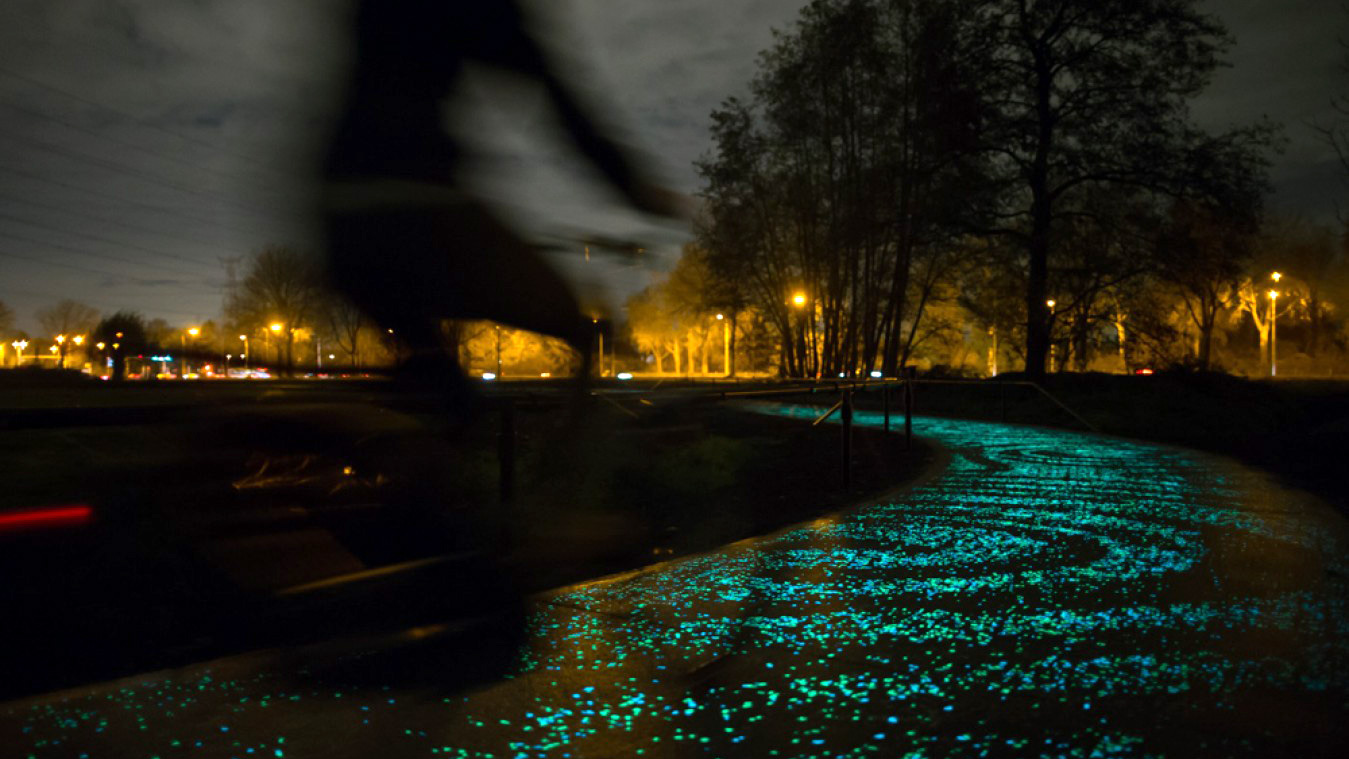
(283, 286)
(347, 324)
(1082, 94)
(122, 334)
(849, 170)
(1201, 254)
(68, 317)
(65, 320)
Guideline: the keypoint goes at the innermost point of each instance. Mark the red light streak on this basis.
(51, 516)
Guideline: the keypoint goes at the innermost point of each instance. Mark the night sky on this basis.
(145, 143)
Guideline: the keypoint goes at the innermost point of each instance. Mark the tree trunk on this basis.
(993, 350)
(730, 364)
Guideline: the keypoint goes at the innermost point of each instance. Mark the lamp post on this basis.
(244, 340)
(1050, 303)
(61, 351)
(275, 328)
(1273, 318)
(182, 359)
(726, 344)
(19, 345)
(799, 301)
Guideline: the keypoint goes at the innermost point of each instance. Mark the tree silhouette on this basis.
(122, 334)
(283, 286)
(1081, 94)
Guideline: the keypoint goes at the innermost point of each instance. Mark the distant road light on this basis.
(876, 375)
(624, 375)
(489, 376)
(799, 300)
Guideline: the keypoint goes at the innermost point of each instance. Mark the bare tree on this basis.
(283, 287)
(347, 323)
(69, 317)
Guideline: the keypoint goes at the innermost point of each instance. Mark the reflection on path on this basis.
(1050, 594)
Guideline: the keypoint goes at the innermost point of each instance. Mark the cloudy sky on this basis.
(145, 144)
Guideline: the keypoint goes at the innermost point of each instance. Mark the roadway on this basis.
(1047, 593)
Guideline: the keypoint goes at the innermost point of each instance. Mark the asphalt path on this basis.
(1047, 593)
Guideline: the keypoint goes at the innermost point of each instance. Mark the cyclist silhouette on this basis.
(405, 243)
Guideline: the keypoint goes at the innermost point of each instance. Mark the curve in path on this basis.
(1050, 594)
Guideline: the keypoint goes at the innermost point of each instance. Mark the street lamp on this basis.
(19, 345)
(1050, 303)
(276, 328)
(244, 338)
(182, 360)
(725, 343)
(61, 351)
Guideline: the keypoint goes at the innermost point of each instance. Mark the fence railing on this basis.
(845, 405)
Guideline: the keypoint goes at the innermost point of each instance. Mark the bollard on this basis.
(845, 411)
(506, 450)
(908, 407)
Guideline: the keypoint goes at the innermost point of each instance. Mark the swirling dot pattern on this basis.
(1049, 593)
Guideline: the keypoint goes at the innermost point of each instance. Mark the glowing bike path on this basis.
(1049, 594)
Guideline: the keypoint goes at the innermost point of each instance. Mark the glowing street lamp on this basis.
(275, 328)
(19, 345)
(799, 300)
(60, 350)
(1050, 303)
(244, 338)
(725, 343)
(182, 360)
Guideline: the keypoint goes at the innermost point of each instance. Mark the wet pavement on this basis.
(1048, 593)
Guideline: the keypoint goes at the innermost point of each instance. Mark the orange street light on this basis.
(276, 327)
(100, 345)
(78, 339)
(799, 300)
(1276, 276)
(61, 339)
(194, 331)
(1273, 332)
